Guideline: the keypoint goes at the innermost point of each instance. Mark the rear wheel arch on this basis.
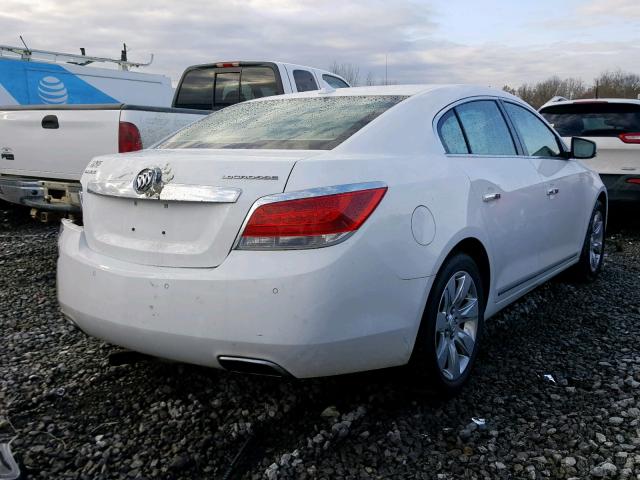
(435, 337)
(602, 198)
(477, 251)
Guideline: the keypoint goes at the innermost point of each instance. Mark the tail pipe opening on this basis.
(254, 366)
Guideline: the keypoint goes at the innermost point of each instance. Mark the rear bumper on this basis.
(313, 313)
(620, 189)
(50, 195)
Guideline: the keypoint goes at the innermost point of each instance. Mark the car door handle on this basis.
(552, 191)
(490, 197)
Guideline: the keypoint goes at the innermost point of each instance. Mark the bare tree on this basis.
(617, 84)
(370, 80)
(349, 71)
(540, 93)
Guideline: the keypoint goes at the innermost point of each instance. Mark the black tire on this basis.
(585, 271)
(424, 360)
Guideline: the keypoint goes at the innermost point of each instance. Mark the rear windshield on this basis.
(211, 88)
(317, 123)
(593, 119)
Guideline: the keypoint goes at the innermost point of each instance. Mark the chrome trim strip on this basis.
(173, 192)
(539, 273)
(312, 192)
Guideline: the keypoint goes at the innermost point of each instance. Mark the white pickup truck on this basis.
(45, 149)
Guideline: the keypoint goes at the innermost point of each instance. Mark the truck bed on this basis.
(57, 142)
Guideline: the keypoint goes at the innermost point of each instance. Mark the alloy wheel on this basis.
(456, 325)
(596, 241)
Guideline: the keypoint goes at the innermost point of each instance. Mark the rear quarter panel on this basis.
(400, 149)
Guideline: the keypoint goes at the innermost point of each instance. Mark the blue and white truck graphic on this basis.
(43, 83)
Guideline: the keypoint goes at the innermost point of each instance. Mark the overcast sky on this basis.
(493, 42)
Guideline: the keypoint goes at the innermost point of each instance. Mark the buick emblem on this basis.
(148, 180)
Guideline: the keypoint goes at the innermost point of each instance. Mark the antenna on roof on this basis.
(27, 50)
(23, 42)
(123, 56)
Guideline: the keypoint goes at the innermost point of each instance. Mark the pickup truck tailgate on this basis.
(55, 143)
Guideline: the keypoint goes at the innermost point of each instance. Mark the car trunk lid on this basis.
(195, 218)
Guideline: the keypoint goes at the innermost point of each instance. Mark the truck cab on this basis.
(218, 85)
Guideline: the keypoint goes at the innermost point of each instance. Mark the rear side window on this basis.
(334, 82)
(451, 134)
(538, 140)
(196, 89)
(485, 128)
(304, 81)
(593, 119)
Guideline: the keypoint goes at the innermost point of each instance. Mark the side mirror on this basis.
(582, 148)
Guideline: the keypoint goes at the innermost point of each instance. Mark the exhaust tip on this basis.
(253, 366)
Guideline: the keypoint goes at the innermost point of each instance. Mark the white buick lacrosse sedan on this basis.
(331, 232)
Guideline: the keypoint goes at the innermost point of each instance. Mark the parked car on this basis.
(324, 233)
(44, 149)
(614, 125)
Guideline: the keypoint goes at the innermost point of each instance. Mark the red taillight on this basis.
(635, 180)
(227, 64)
(129, 138)
(310, 222)
(630, 137)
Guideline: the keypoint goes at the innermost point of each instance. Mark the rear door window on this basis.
(451, 134)
(485, 128)
(593, 119)
(334, 82)
(304, 81)
(538, 140)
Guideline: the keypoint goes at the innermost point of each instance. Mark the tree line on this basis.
(612, 84)
(616, 84)
(351, 73)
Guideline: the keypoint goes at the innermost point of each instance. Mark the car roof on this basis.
(461, 90)
(591, 100)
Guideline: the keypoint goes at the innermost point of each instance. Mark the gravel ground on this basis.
(75, 416)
